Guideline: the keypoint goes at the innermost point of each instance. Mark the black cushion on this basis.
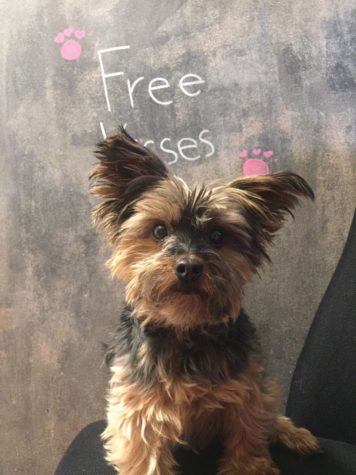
(322, 395)
(85, 457)
(323, 391)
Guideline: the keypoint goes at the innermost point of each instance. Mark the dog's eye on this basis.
(159, 231)
(217, 237)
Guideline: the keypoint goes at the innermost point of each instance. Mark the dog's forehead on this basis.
(214, 202)
(174, 201)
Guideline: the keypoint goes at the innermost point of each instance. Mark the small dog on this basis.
(185, 360)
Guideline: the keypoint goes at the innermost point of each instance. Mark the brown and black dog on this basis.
(185, 359)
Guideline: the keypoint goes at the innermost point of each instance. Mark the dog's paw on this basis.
(302, 441)
(297, 439)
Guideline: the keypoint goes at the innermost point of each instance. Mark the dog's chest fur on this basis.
(213, 354)
(195, 377)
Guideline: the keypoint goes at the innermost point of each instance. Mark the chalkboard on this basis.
(218, 89)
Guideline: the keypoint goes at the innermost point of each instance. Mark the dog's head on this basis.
(185, 253)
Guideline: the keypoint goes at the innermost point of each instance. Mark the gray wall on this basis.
(279, 76)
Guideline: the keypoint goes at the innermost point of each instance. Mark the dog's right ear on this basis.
(125, 171)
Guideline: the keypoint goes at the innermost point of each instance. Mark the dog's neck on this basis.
(202, 353)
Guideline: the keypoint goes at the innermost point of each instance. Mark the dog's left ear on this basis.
(126, 170)
(269, 198)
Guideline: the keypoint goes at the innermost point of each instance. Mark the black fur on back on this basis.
(214, 353)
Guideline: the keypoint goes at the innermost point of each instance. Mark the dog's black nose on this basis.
(189, 270)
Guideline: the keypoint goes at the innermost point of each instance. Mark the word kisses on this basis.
(187, 148)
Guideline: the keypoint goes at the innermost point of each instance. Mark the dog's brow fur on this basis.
(185, 359)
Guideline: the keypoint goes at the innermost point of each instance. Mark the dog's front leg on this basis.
(247, 421)
(244, 457)
(246, 452)
(142, 427)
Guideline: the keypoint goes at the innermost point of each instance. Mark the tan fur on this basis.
(143, 425)
(139, 261)
(298, 439)
(146, 417)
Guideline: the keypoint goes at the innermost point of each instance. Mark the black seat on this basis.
(322, 395)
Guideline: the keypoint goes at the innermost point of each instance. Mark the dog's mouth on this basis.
(188, 289)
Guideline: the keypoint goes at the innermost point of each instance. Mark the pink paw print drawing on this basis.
(255, 165)
(71, 49)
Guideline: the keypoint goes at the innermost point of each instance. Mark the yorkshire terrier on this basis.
(185, 359)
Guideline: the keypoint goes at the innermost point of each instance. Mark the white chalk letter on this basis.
(104, 76)
(211, 145)
(164, 84)
(102, 128)
(148, 142)
(193, 144)
(131, 88)
(183, 84)
(168, 150)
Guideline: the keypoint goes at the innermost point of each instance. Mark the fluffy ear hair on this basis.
(125, 171)
(267, 199)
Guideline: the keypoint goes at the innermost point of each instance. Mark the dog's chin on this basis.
(182, 305)
(190, 306)
(188, 289)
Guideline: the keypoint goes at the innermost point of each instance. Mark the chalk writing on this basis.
(161, 90)
(104, 75)
(204, 148)
(186, 83)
